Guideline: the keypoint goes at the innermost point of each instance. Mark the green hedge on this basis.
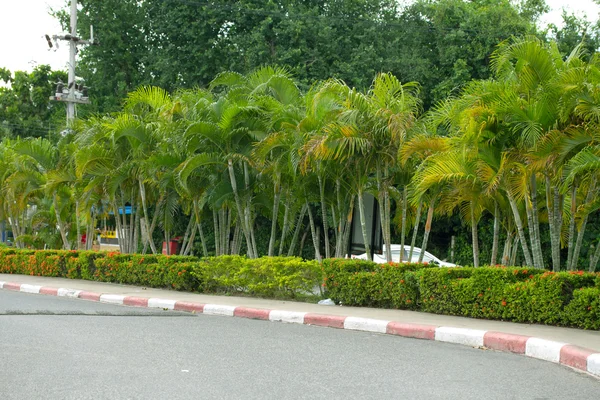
(364, 283)
(511, 294)
(274, 277)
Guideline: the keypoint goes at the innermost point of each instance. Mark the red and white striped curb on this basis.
(557, 352)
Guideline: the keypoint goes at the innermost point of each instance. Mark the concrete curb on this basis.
(576, 357)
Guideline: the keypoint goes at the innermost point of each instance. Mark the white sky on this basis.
(24, 23)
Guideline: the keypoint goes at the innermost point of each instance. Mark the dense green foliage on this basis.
(272, 277)
(508, 150)
(510, 294)
(181, 44)
(25, 108)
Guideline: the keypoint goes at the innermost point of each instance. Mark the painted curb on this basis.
(585, 360)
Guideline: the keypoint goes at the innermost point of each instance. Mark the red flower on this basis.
(503, 303)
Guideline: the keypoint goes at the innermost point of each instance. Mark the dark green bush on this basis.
(364, 283)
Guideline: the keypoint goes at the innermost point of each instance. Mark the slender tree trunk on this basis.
(186, 236)
(286, 223)
(334, 219)
(348, 227)
(304, 236)
(59, 222)
(240, 210)
(313, 232)
(217, 235)
(506, 252)
(403, 228)
(132, 247)
(297, 231)
(202, 240)
(324, 216)
(363, 224)
(532, 238)
(190, 244)
(415, 230)
(276, 199)
(382, 216)
(520, 230)
(595, 258)
(496, 239)
(78, 228)
(572, 226)
(136, 232)
(558, 214)
(386, 214)
(589, 198)
(146, 218)
(249, 216)
(515, 250)
(255, 248)
(552, 225)
(118, 223)
(537, 244)
(475, 239)
(427, 229)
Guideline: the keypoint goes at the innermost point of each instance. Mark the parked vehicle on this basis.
(396, 248)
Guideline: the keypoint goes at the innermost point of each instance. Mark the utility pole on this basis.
(73, 93)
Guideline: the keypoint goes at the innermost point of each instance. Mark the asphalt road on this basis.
(59, 348)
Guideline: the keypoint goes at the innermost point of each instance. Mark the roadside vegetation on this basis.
(568, 298)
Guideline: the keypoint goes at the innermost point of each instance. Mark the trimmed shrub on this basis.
(364, 283)
(276, 277)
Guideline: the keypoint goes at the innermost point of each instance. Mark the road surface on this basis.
(60, 348)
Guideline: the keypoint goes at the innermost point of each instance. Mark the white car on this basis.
(427, 257)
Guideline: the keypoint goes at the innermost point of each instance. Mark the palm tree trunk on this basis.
(334, 219)
(78, 228)
(324, 215)
(186, 236)
(363, 224)
(118, 223)
(415, 230)
(216, 233)
(132, 244)
(339, 251)
(136, 232)
(558, 215)
(313, 232)
(595, 258)
(427, 229)
(572, 226)
(515, 250)
(276, 199)
(61, 226)
(496, 239)
(202, 240)
(506, 252)
(552, 225)
(297, 231)
(531, 228)
(301, 248)
(520, 230)
(347, 228)
(286, 223)
(382, 215)
(240, 210)
(589, 198)
(146, 217)
(403, 228)
(249, 216)
(475, 239)
(537, 243)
